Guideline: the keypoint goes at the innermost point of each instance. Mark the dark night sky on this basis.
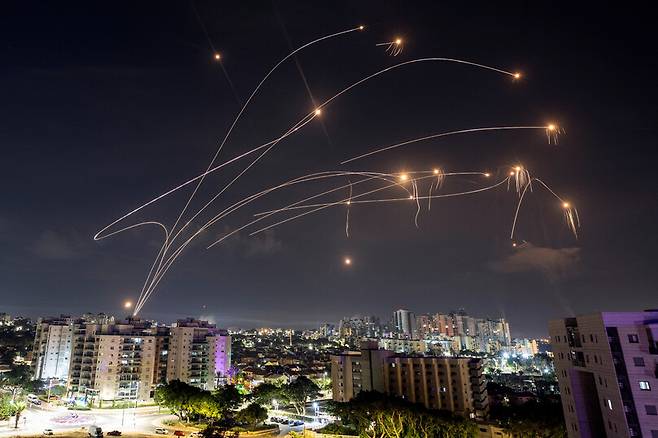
(104, 105)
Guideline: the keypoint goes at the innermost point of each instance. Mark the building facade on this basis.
(102, 360)
(199, 354)
(356, 371)
(607, 368)
(52, 349)
(454, 384)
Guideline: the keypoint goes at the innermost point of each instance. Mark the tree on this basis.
(18, 380)
(19, 407)
(265, 393)
(228, 398)
(376, 415)
(252, 415)
(179, 397)
(300, 392)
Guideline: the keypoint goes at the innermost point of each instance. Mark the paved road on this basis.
(35, 419)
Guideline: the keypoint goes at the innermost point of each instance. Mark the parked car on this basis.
(297, 423)
(179, 433)
(161, 431)
(48, 432)
(196, 435)
(114, 433)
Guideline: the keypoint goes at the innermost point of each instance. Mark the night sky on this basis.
(104, 105)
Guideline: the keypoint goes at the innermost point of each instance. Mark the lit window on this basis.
(644, 385)
(633, 339)
(608, 402)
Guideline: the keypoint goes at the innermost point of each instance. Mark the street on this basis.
(61, 420)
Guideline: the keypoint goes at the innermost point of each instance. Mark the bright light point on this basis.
(487, 174)
(404, 177)
(512, 174)
(348, 202)
(362, 27)
(517, 75)
(565, 204)
(436, 171)
(514, 244)
(218, 56)
(411, 196)
(318, 112)
(127, 304)
(347, 261)
(517, 168)
(551, 127)
(398, 41)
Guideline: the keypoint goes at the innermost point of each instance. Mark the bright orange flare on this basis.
(218, 56)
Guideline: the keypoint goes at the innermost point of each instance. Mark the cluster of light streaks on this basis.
(393, 48)
(179, 235)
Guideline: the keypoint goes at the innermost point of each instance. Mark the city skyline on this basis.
(100, 124)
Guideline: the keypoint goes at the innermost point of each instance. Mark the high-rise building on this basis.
(106, 360)
(607, 368)
(454, 384)
(405, 323)
(52, 348)
(199, 353)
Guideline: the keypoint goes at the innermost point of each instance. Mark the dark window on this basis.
(633, 339)
(651, 409)
(638, 361)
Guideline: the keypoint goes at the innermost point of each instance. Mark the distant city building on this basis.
(405, 323)
(408, 346)
(455, 384)
(607, 368)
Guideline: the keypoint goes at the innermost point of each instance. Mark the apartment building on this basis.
(101, 359)
(199, 354)
(607, 368)
(454, 384)
(356, 371)
(52, 348)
